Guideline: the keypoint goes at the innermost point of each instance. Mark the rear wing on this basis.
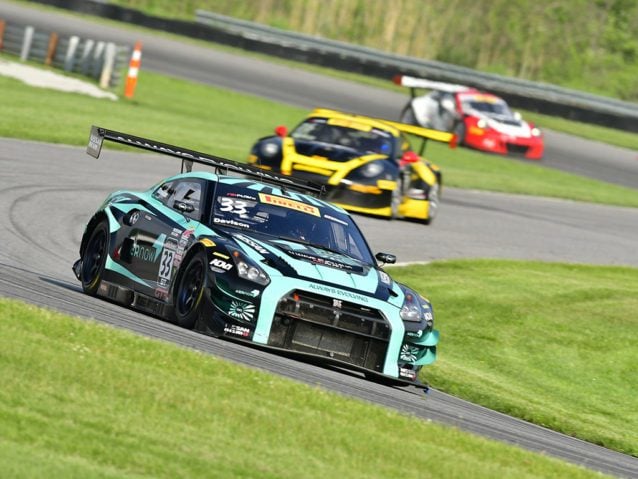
(425, 133)
(188, 157)
(413, 82)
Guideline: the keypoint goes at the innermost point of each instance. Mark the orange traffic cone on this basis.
(133, 69)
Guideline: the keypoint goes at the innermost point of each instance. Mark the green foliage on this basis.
(227, 123)
(550, 343)
(590, 45)
(80, 400)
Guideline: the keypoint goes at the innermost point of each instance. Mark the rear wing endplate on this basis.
(188, 157)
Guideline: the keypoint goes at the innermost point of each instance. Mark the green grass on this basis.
(594, 132)
(81, 400)
(550, 343)
(226, 123)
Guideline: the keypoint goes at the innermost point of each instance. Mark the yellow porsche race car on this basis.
(366, 164)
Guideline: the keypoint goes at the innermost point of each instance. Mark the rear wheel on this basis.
(407, 115)
(94, 258)
(189, 291)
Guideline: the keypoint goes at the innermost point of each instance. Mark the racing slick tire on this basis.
(433, 198)
(189, 291)
(407, 115)
(459, 131)
(94, 258)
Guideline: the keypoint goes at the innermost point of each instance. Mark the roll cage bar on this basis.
(188, 157)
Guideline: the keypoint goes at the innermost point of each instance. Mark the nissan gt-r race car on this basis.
(255, 257)
(480, 120)
(366, 164)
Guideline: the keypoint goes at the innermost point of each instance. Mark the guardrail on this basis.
(535, 96)
(96, 59)
(539, 97)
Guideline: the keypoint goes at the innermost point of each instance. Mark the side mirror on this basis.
(281, 131)
(183, 207)
(386, 258)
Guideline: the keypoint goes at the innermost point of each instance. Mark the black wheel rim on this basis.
(190, 287)
(94, 257)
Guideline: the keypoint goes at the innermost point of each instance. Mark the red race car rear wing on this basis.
(188, 157)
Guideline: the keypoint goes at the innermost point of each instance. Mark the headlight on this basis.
(536, 132)
(411, 309)
(372, 169)
(269, 149)
(248, 269)
(481, 123)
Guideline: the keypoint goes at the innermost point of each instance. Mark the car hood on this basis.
(292, 259)
(506, 125)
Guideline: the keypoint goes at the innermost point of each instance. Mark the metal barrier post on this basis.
(107, 67)
(85, 59)
(26, 43)
(74, 41)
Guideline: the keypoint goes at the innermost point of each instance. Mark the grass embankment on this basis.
(550, 343)
(87, 401)
(509, 37)
(227, 123)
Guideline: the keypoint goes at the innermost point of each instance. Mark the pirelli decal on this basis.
(288, 203)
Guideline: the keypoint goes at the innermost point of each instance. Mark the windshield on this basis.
(289, 218)
(488, 104)
(347, 133)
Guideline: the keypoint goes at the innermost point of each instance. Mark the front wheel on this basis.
(94, 258)
(433, 198)
(189, 291)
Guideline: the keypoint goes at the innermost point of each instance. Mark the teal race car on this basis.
(241, 253)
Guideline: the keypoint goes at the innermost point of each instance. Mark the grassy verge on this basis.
(227, 123)
(594, 132)
(82, 400)
(553, 344)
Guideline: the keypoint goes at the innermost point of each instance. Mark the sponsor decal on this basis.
(241, 195)
(244, 311)
(176, 232)
(147, 217)
(237, 330)
(233, 206)
(181, 246)
(253, 294)
(322, 261)
(336, 220)
(161, 294)
(134, 217)
(385, 278)
(407, 373)
(330, 291)
(253, 244)
(220, 266)
(206, 242)
(415, 334)
(409, 353)
(166, 264)
(224, 221)
(221, 255)
(288, 203)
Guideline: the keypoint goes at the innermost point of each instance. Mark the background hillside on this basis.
(589, 45)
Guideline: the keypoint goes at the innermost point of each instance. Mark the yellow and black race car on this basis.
(366, 164)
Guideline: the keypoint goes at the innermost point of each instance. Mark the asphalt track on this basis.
(39, 245)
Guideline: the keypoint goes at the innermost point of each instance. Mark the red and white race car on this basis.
(480, 120)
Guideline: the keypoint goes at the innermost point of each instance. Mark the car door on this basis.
(156, 240)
